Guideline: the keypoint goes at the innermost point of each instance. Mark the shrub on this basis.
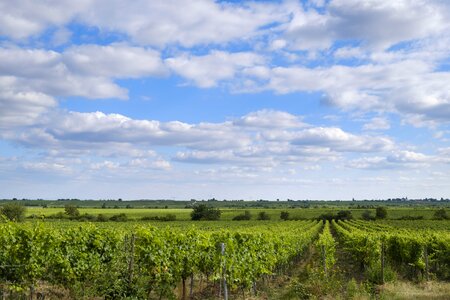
(263, 216)
(441, 214)
(411, 218)
(381, 213)
(86, 217)
(13, 211)
(284, 215)
(166, 218)
(203, 212)
(71, 210)
(242, 217)
(119, 218)
(367, 215)
(344, 215)
(102, 218)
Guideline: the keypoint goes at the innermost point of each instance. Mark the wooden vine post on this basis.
(224, 270)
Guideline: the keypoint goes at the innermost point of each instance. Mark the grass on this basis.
(422, 291)
(229, 213)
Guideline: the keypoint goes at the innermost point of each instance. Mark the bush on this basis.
(119, 218)
(59, 215)
(381, 213)
(203, 212)
(441, 214)
(284, 215)
(86, 217)
(341, 215)
(102, 218)
(71, 211)
(263, 216)
(166, 218)
(367, 215)
(410, 218)
(242, 217)
(344, 215)
(13, 211)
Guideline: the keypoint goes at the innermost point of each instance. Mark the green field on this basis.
(229, 213)
(299, 258)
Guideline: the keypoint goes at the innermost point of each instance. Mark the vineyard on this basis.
(149, 262)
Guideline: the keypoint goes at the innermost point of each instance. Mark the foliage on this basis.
(166, 218)
(284, 215)
(263, 216)
(344, 215)
(96, 263)
(13, 211)
(381, 212)
(204, 212)
(367, 216)
(242, 217)
(341, 215)
(326, 246)
(441, 214)
(71, 211)
(119, 218)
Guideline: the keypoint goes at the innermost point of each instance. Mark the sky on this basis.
(337, 99)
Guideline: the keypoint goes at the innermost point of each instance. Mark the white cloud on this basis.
(378, 24)
(339, 140)
(22, 108)
(114, 61)
(377, 123)
(269, 119)
(159, 23)
(207, 70)
(395, 160)
(24, 18)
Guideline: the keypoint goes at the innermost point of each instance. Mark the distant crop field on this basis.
(228, 213)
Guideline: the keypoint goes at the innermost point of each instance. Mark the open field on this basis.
(229, 213)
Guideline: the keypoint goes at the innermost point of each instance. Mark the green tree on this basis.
(13, 211)
(71, 210)
(262, 215)
(441, 214)
(284, 215)
(381, 213)
(204, 212)
(367, 215)
(245, 216)
(344, 215)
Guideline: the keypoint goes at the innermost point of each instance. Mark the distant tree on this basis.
(13, 211)
(284, 215)
(119, 218)
(367, 215)
(104, 205)
(344, 215)
(262, 215)
(102, 218)
(204, 212)
(381, 213)
(242, 217)
(441, 214)
(71, 210)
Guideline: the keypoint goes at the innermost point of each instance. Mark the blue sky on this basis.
(316, 99)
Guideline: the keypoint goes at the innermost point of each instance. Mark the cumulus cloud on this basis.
(395, 160)
(24, 18)
(207, 70)
(377, 123)
(269, 119)
(378, 24)
(177, 22)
